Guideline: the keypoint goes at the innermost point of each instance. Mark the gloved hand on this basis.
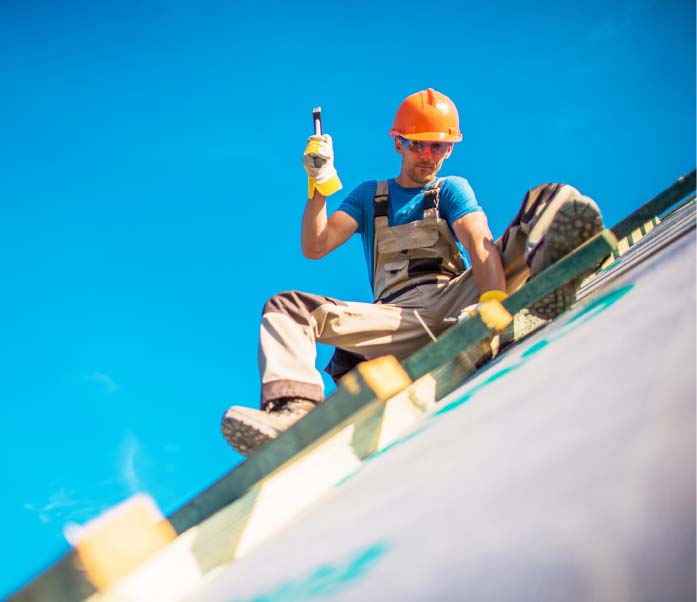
(319, 164)
(490, 310)
(471, 310)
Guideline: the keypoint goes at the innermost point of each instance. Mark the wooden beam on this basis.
(656, 206)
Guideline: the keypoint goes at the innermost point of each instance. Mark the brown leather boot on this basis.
(246, 429)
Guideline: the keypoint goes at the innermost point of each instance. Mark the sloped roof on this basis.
(560, 466)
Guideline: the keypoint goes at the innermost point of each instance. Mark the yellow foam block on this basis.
(115, 543)
(495, 315)
(384, 375)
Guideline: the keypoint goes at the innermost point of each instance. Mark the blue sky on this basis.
(151, 189)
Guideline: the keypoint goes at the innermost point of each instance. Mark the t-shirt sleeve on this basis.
(356, 202)
(457, 198)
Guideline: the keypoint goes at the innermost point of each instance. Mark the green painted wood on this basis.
(63, 582)
(676, 208)
(452, 374)
(656, 206)
(450, 344)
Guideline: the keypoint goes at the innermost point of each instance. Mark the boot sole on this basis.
(575, 223)
(245, 434)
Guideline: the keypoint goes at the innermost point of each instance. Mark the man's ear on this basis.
(398, 146)
(450, 152)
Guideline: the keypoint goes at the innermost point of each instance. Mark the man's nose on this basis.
(427, 151)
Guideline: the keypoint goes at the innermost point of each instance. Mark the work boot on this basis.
(575, 222)
(246, 429)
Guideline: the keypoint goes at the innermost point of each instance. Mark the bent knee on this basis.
(294, 303)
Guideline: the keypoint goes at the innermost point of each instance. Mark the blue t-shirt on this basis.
(406, 205)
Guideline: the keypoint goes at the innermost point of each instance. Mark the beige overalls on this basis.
(419, 281)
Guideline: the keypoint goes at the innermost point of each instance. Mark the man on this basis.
(410, 226)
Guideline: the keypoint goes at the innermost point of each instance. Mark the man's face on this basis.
(421, 160)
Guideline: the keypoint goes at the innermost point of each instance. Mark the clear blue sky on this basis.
(151, 190)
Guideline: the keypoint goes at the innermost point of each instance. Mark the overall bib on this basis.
(408, 255)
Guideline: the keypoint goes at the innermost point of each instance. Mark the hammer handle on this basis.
(317, 120)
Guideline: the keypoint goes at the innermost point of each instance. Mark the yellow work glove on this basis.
(492, 295)
(319, 164)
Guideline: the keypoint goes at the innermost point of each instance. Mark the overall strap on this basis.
(381, 207)
(381, 201)
(432, 197)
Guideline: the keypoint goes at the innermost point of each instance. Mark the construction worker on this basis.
(410, 227)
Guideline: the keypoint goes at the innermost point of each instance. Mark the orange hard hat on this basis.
(427, 115)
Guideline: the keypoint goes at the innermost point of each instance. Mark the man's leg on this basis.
(553, 220)
(292, 322)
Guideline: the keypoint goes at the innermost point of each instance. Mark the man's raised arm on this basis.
(321, 235)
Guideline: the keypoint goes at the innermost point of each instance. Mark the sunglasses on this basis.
(418, 146)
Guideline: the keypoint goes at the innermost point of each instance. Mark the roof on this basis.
(566, 464)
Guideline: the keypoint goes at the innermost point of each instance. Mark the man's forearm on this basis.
(473, 232)
(487, 268)
(314, 226)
